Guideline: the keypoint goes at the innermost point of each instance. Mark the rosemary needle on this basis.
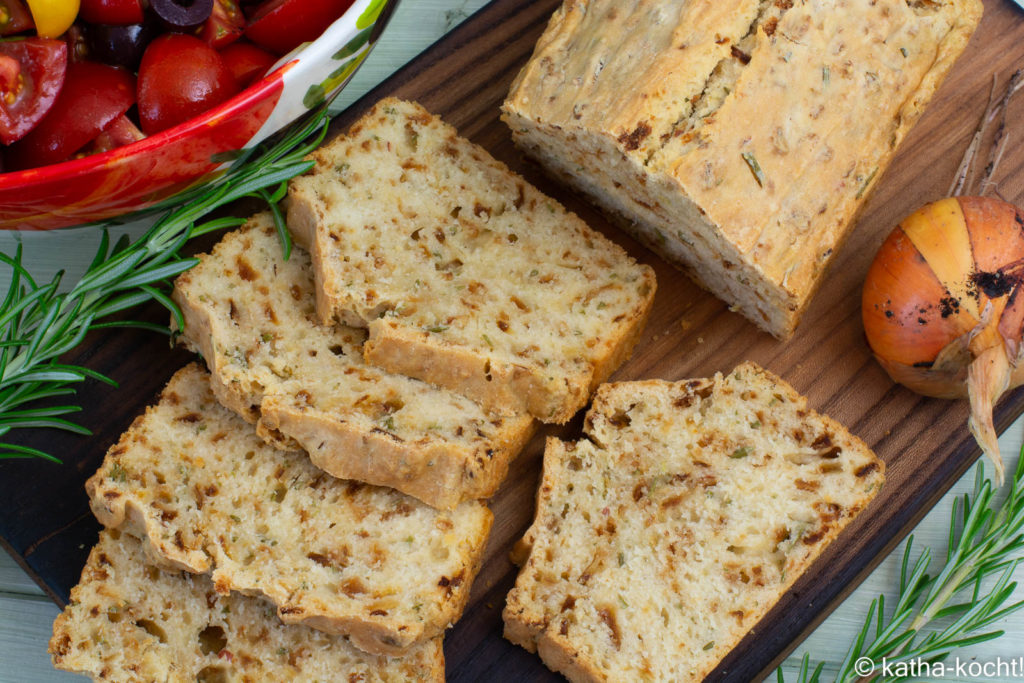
(38, 323)
(935, 614)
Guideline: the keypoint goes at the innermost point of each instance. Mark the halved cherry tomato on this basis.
(180, 77)
(114, 12)
(225, 25)
(41, 65)
(120, 132)
(92, 97)
(14, 17)
(247, 62)
(53, 17)
(282, 25)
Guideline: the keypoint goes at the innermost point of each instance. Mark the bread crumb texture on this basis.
(207, 495)
(465, 275)
(130, 622)
(663, 537)
(736, 138)
(250, 313)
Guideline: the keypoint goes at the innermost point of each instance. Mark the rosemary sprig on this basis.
(38, 323)
(935, 614)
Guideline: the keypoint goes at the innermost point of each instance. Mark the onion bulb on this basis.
(943, 308)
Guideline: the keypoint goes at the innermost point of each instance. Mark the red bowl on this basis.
(138, 176)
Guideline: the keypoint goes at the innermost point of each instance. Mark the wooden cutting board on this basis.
(46, 522)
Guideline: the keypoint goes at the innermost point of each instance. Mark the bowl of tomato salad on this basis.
(109, 107)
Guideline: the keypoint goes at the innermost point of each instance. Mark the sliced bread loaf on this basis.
(662, 538)
(466, 276)
(129, 621)
(206, 494)
(251, 315)
(737, 138)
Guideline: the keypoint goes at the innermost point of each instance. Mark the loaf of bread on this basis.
(663, 537)
(207, 495)
(129, 622)
(466, 276)
(736, 138)
(251, 315)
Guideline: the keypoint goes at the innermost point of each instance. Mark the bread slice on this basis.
(250, 314)
(466, 276)
(129, 621)
(207, 495)
(736, 138)
(691, 507)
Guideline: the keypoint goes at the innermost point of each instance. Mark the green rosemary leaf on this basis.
(48, 375)
(16, 274)
(101, 250)
(52, 392)
(974, 640)
(953, 610)
(215, 225)
(72, 337)
(166, 302)
(86, 373)
(111, 271)
(123, 242)
(133, 324)
(49, 315)
(13, 450)
(10, 315)
(157, 273)
(46, 422)
(282, 229)
(257, 182)
(278, 194)
(39, 412)
(121, 303)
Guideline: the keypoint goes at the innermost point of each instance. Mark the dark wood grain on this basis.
(47, 527)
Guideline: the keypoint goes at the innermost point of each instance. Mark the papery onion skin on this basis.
(943, 306)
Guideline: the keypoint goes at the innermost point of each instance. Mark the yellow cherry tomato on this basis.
(53, 17)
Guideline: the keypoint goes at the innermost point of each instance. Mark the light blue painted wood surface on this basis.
(26, 615)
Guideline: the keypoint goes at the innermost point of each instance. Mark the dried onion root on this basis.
(943, 306)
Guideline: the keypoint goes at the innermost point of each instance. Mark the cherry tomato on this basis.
(121, 131)
(78, 50)
(92, 97)
(247, 62)
(14, 17)
(225, 25)
(53, 17)
(180, 77)
(282, 25)
(35, 71)
(112, 12)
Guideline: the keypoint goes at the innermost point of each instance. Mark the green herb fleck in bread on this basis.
(466, 276)
(207, 495)
(250, 313)
(129, 622)
(691, 507)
